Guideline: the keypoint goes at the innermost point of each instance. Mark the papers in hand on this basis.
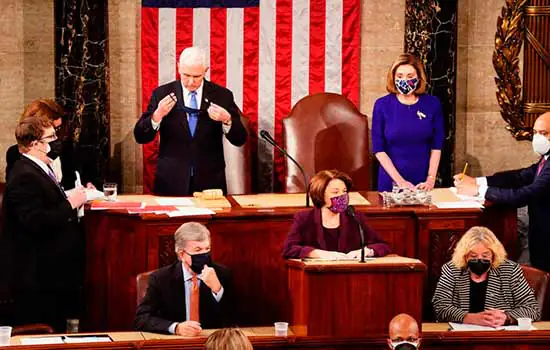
(93, 194)
(464, 327)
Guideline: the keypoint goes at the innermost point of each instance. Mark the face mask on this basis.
(55, 149)
(48, 148)
(405, 86)
(541, 145)
(339, 204)
(479, 266)
(404, 345)
(199, 260)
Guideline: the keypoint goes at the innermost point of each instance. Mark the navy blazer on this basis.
(524, 187)
(306, 234)
(178, 150)
(164, 302)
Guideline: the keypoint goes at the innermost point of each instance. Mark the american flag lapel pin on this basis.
(420, 115)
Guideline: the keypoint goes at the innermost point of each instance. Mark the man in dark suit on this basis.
(189, 295)
(40, 230)
(528, 186)
(191, 115)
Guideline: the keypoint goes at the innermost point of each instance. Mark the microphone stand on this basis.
(267, 137)
(351, 211)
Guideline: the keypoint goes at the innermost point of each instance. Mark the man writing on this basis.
(191, 116)
(189, 295)
(528, 186)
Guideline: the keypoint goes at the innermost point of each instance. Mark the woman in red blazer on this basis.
(328, 230)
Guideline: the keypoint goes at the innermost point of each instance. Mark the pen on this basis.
(464, 171)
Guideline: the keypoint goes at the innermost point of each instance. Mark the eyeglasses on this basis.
(49, 138)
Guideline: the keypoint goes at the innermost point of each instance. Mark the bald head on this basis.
(403, 328)
(542, 124)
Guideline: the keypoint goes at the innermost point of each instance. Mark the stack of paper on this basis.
(464, 327)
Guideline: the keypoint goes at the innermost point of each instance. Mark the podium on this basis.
(352, 299)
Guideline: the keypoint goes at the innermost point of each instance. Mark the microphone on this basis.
(267, 137)
(351, 211)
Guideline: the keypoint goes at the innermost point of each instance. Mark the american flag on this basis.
(269, 53)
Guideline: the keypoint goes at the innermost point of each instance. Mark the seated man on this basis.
(403, 333)
(190, 295)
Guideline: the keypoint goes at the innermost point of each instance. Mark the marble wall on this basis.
(26, 62)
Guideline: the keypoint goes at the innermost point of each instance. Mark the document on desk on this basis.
(464, 327)
(175, 201)
(337, 259)
(447, 198)
(72, 339)
(190, 211)
(41, 340)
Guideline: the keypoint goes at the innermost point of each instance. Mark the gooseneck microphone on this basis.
(267, 137)
(351, 212)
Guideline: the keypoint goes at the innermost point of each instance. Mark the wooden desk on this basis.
(434, 337)
(249, 241)
(345, 298)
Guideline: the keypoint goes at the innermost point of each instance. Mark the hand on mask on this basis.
(210, 278)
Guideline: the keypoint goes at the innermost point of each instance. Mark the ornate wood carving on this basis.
(166, 250)
(508, 40)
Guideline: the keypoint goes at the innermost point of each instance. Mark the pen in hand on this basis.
(464, 171)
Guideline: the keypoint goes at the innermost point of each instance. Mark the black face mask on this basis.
(479, 266)
(55, 149)
(199, 260)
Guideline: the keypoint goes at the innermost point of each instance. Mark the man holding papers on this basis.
(329, 231)
(529, 186)
(189, 295)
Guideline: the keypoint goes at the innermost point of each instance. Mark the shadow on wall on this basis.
(474, 166)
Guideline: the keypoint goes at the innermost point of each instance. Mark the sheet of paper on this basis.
(86, 339)
(190, 211)
(337, 259)
(175, 201)
(458, 205)
(463, 327)
(467, 198)
(92, 194)
(41, 340)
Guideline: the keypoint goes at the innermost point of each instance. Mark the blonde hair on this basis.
(410, 59)
(475, 235)
(228, 339)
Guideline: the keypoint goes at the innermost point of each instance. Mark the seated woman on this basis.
(328, 230)
(480, 286)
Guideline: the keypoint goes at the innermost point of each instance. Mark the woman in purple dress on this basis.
(329, 231)
(407, 129)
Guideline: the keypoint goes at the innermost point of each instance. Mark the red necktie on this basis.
(194, 300)
(541, 165)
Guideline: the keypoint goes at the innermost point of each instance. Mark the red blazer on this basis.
(306, 234)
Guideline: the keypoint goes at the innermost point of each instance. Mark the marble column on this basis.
(81, 81)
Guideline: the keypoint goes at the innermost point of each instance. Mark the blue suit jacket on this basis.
(524, 187)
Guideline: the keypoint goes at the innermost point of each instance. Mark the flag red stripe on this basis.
(317, 29)
(218, 45)
(351, 49)
(283, 79)
(149, 81)
(184, 31)
(251, 46)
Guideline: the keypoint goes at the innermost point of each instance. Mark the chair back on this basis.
(142, 280)
(538, 280)
(326, 131)
(237, 163)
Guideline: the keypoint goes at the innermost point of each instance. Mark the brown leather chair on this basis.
(326, 131)
(142, 281)
(237, 164)
(538, 280)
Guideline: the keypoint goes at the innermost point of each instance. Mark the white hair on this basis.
(192, 56)
(190, 231)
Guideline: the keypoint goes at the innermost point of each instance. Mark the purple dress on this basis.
(408, 134)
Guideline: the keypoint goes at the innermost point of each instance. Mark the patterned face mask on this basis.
(339, 204)
(406, 86)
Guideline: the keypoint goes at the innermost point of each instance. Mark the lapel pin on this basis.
(420, 115)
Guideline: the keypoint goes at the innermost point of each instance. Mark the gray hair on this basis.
(190, 231)
(193, 55)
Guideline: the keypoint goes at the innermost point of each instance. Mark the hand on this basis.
(218, 113)
(427, 185)
(480, 318)
(458, 179)
(467, 189)
(210, 278)
(325, 254)
(356, 254)
(164, 107)
(499, 317)
(90, 186)
(188, 329)
(77, 197)
(406, 184)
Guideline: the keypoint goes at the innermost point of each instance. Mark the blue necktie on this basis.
(193, 117)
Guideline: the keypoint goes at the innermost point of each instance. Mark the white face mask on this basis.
(541, 145)
(398, 345)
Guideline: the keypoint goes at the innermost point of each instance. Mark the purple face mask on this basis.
(339, 204)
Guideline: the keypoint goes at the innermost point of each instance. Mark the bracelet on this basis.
(431, 177)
